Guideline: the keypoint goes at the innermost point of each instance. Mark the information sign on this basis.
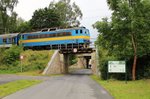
(117, 67)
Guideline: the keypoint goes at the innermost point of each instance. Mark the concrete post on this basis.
(93, 63)
(66, 63)
(81, 62)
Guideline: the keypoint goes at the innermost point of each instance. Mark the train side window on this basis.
(50, 35)
(38, 36)
(31, 37)
(68, 33)
(81, 31)
(42, 36)
(22, 37)
(59, 34)
(53, 35)
(64, 34)
(13, 40)
(46, 35)
(4, 40)
(76, 31)
(10, 40)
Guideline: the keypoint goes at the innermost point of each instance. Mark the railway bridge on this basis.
(59, 62)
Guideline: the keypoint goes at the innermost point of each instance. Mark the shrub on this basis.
(11, 55)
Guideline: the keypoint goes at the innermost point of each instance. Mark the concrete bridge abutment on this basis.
(58, 64)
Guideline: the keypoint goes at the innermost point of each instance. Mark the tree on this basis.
(12, 25)
(5, 7)
(69, 13)
(45, 18)
(126, 35)
(1, 24)
(23, 27)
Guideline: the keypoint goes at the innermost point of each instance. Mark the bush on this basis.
(9, 60)
(11, 55)
(103, 62)
(33, 60)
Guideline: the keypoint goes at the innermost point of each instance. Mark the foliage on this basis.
(12, 22)
(58, 14)
(132, 90)
(45, 18)
(11, 55)
(12, 87)
(103, 62)
(33, 60)
(127, 35)
(72, 59)
(24, 27)
(68, 13)
(1, 24)
(1, 54)
(5, 7)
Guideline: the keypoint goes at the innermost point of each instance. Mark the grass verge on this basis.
(31, 73)
(139, 89)
(12, 87)
(37, 73)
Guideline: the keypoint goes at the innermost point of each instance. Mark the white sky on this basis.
(93, 10)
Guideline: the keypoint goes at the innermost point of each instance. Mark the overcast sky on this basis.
(93, 10)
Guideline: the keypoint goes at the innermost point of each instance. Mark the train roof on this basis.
(8, 35)
(55, 29)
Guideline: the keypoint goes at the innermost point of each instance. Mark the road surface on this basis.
(77, 85)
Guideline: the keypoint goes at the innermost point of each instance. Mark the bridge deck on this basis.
(76, 51)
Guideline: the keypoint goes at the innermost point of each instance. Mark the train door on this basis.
(9, 40)
(13, 40)
(4, 40)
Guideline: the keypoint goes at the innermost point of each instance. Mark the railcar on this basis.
(7, 40)
(56, 38)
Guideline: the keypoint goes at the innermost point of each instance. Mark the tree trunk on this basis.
(135, 58)
(134, 68)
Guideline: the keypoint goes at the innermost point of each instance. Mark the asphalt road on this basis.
(77, 85)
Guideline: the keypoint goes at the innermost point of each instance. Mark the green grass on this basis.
(6, 72)
(12, 87)
(139, 89)
(37, 73)
(31, 73)
(36, 60)
(34, 63)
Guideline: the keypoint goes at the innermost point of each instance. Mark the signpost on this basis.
(21, 58)
(117, 67)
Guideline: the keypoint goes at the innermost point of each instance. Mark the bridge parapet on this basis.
(76, 51)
